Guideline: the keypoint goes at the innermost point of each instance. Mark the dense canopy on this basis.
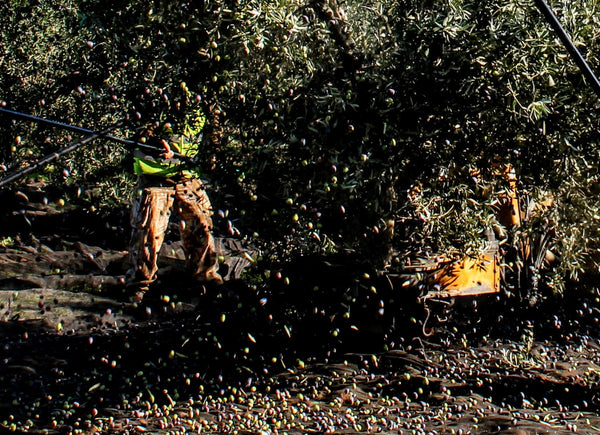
(335, 126)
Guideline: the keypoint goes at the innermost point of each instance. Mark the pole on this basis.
(568, 43)
(74, 128)
(55, 155)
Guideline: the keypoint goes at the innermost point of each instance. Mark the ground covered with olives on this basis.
(281, 356)
(225, 361)
(313, 346)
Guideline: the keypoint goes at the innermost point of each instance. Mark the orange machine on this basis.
(480, 274)
(469, 276)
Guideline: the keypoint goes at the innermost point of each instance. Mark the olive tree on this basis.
(372, 127)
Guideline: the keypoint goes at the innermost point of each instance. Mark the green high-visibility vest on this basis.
(168, 168)
(185, 144)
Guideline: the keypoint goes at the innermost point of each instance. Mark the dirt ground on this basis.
(305, 350)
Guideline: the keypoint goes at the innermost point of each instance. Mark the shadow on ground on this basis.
(318, 345)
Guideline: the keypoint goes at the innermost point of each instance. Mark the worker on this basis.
(167, 184)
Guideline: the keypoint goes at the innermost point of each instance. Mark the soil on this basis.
(309, 347)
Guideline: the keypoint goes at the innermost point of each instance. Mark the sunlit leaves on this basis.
(391, 94)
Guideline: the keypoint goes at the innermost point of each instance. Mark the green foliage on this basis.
(327, 121)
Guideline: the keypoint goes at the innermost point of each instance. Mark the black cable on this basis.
(568, 43)
(55, 155)
(62, 125)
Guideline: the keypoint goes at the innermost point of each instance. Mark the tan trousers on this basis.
(150, 216)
